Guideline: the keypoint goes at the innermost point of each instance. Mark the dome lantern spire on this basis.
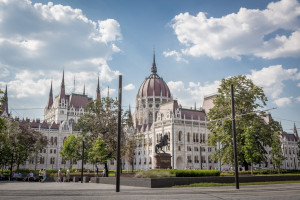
(153, 68)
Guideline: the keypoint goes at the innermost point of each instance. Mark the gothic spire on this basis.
(153, 68)
(98, 95)
(107, 91)
(50, 100)
(83, 89)
(62, 94)
(295, 131)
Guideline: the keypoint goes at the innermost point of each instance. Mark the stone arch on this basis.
(179, 163)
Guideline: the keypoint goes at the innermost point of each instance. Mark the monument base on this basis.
(162, 161)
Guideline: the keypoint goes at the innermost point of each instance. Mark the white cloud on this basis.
(177, 55)
(4, 72)
(298, 85)
(193, 93)
(130, 86)
(272, 78)
(281, 102)
(247, 32)
(49, 36)
(298, 99)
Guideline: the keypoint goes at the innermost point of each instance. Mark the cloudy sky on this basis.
(197, 43)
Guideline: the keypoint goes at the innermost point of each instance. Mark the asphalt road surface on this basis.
(57, 191)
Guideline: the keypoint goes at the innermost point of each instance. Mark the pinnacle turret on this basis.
(62, 94)
(50, 100)
(98, 94)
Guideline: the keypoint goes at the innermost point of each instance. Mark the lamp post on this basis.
(82, 159)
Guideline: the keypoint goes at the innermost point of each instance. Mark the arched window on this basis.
(51, 141)
(188, 137)
(179, 136)
(55, 140)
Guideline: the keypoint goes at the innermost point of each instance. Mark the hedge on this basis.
(194, 173)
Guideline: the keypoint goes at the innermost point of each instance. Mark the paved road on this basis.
(68, 191)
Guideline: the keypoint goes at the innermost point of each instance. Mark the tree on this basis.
(101, 120)
(277, 154)
(98, 152)
(248, 98)
(253, 149)
(72, 148)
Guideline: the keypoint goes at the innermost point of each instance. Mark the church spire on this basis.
(83, 89)
(98, 95)
(295, 131)
(62, 94)
(50, 100)
(153, 68)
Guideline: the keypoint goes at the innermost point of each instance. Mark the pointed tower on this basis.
(107, 92)
(153, 68)
(4, 106)
(98, 95)
(50, 100)
(295, 131)
(62, 94)
(83, 89)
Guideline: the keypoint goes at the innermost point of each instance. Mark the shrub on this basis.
(194, 173)
(154, 173)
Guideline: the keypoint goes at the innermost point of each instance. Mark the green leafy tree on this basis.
(101, 120)
(248, 98)
(253, 149)
(72, 148)
(277, 154)
(98, 152)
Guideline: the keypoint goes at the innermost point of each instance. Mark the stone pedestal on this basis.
(162, 161)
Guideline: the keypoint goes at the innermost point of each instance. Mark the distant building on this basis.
(156, 114)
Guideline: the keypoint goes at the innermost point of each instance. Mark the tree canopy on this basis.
(250, 125)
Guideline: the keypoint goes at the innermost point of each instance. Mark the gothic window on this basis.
(54, 151)
(45, 150)
(196, 159)
(197, 137)
(179, 148)
(52, 160)
(188, 137)
(150, 160)
(50, 150)
(194, 137)
(179, 136)
(42, 160)
(51, 141)
(63, 161)
(55, 140)
(145, 161)
(189, 158)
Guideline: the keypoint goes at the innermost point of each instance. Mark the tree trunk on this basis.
(11, 165)
(35, 165)
(252, 168)
(246, 165)
(106, 169)
(132, 166)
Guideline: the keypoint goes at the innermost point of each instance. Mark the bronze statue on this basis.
(163, 142)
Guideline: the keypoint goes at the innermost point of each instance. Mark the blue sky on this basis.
(197, 43)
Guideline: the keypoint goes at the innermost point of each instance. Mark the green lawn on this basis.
(233, 184)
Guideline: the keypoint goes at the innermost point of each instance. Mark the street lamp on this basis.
(82, 159)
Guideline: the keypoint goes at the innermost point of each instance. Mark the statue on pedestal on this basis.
(163, 142)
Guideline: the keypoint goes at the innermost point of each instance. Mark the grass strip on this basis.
(233, 184)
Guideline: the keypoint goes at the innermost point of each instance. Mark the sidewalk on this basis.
(45, 191)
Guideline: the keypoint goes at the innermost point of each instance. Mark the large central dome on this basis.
(154, 85)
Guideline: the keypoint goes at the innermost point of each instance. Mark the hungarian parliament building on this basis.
(156, 114)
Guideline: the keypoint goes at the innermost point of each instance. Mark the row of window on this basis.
(203, 159)
(195, 137)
